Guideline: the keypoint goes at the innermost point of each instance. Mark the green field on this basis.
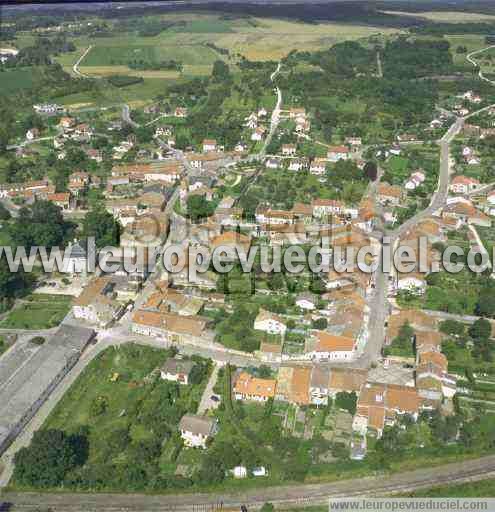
(121, 54)
(13, 80)
(38, 311)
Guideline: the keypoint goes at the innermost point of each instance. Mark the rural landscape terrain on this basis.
(156, 161)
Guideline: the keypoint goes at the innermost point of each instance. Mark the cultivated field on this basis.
(255, 38)
(447, 16)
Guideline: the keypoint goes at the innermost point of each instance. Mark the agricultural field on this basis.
(14, 80)
(447, 16)
(254, 38)
(38, 312)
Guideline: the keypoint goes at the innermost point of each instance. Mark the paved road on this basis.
(294, 495)
(440, 196)
(126, 117)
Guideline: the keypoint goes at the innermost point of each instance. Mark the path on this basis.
(379, 67)
(75, 67)
(275, 119)
(206, 401)
(470, 59)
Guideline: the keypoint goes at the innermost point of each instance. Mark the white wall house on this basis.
(270, 323)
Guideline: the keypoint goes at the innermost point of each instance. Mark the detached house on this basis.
(32, 134)
(269, 323)
(336, 153)
(463, 184)
(318, 166)
(322, 207)
(196, 431)
(258, 133)
(389, 194)
(288, 149)
(176, 370)
(209, 145)
(298, 164)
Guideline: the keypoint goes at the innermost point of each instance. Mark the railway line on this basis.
(381, 484)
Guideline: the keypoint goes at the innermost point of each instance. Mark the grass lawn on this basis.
(129, 414)
(38, 312)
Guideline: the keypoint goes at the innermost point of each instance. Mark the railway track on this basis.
(281, 497)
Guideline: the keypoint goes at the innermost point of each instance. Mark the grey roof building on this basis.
(26, 383)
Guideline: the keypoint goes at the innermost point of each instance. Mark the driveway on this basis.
(206, 401)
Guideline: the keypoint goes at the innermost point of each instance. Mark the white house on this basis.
(415, 180)
(209, 145)
(322, 207)
(32, 134)
(258, 134)
(288, 149)
(272, 163)
(297, 164)
(306, 301)
(197, 430)
(413, 282)
(463, 184)
(318, 166)
(270, 323)
(176, 370)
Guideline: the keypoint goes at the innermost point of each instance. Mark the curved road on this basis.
(470, 59)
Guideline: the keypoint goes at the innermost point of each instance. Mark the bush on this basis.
(38, 340)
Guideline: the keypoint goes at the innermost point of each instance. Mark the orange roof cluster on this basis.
(248, 385)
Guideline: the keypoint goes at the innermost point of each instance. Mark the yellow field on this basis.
(274, 39)
(448, 16)
(124, 70)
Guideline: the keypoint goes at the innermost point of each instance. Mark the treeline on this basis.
(218, 49)
(143, 65)
(439, 29)
(124, 80)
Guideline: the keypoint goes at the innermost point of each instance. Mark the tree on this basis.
(49, 457)
(4, 213)
(267, 507)
(480, 330)
(320, 324)
(101, 225)
(370, 170)
(40, 224)
(199, 208)
(347, 401)
(452, 328)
